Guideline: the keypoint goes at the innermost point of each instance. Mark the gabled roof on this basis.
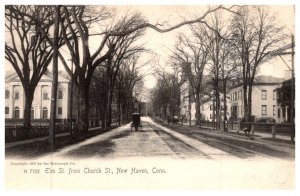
(47, 77)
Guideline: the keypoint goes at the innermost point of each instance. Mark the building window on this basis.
(235, 96)
(210, 116)
(264, 95)
(263, 110)
(17, 112)
(6, 110)
(6, 94)
(17, 95)
(59, 110)
(45, 113)
(274, 110)
(210, 107)
(60, 94)
(239, 95)
(278, 113)
(45, 95)
(32, 113)
(274, 95)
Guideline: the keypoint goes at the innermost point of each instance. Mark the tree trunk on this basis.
(55, 79)
(84, 109)
(217, 107)
(225, 105)
(28, 104)
(249, 102)
(245, 102)
(109, 104)
(198, 114)
(119, 108)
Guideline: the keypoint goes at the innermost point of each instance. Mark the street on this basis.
(161, 156)
(154, 140)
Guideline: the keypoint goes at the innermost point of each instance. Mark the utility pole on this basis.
(190, 108)
(55, 78)
(71, 97)
(292, 104)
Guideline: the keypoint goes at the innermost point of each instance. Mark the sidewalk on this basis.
(12, 144)
(265, 135)
(261, 135)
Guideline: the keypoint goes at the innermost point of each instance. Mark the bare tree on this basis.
(255, 35)
(77, 21)
(27, 49)
(191, 55)
(125, 49)
(166, 95)
(55, 76)
(221, 66)
(130, 75)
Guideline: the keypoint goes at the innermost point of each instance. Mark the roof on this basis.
(286, 83)
(210, 98)
(47, 77)
(263, 80)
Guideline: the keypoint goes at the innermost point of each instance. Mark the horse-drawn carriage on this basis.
(136, 121)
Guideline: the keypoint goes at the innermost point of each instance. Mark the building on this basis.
(15, 98)
(188, 105)
(185, 103)
(285, 101)
(264, 101)
(207, 109)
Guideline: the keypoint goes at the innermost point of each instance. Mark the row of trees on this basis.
(36, 36)
(165, 96)
(227, 49)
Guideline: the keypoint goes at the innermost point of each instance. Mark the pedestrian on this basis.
(226, 124)
(293, 135)
(168, 120)
(246, 127)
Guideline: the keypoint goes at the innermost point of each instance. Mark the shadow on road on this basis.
(97, 149)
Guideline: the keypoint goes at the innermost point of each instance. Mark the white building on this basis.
(15, 98)
(188, 105)
(185, 104)
(207, 109)
(264, 101)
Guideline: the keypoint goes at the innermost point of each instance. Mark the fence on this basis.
(17, 133)
(14, 131)
(283, 128)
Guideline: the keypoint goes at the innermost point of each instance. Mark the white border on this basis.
(170, 192)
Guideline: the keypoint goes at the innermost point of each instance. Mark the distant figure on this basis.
(226, 124)
(246, 127)
(247, 130)
(293, 136)
(168, 120)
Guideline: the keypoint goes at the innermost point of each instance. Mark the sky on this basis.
(162, 44)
